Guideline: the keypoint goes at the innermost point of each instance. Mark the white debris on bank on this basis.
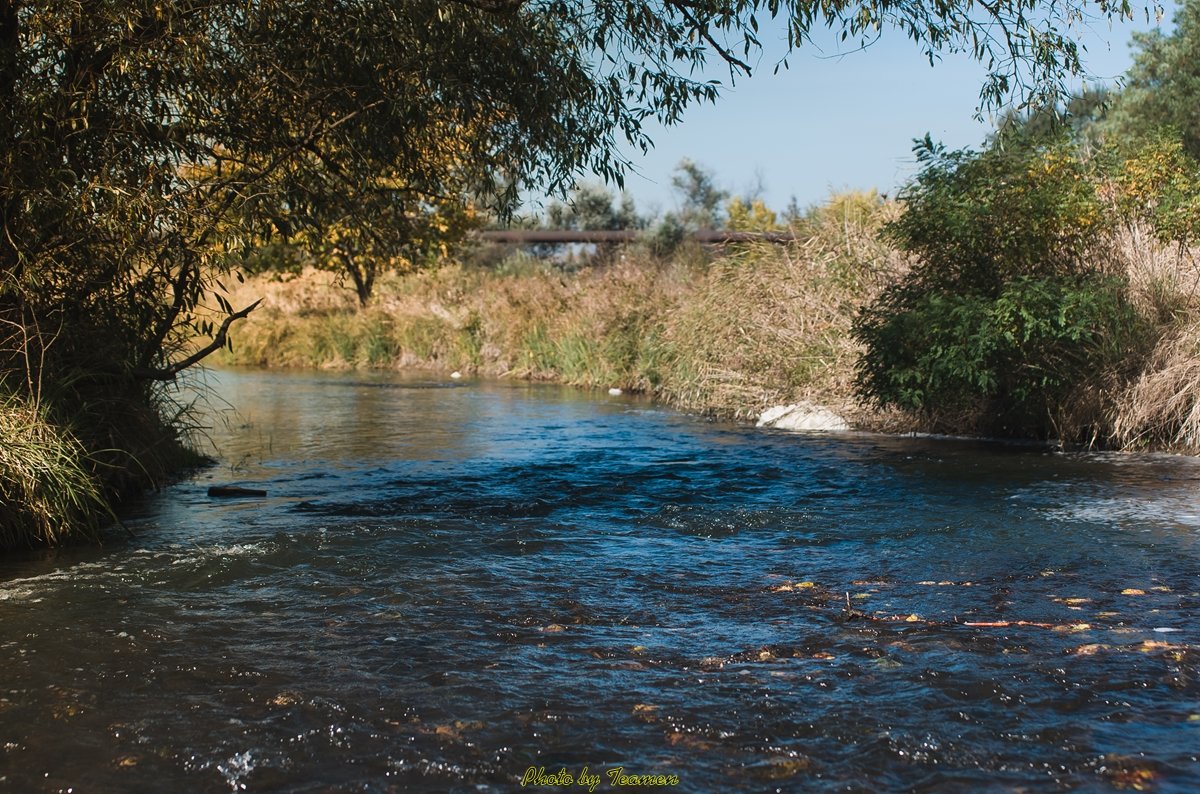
(802, 416)
(614, 391)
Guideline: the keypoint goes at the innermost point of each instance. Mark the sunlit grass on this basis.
(46, 493)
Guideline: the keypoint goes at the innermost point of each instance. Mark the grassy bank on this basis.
(728, 335)
(68, 460)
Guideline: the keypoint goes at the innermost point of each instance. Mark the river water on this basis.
(452, 582)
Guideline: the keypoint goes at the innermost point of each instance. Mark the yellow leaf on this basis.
(1074, 627)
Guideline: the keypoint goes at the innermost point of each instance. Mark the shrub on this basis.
(1008, 365)
(1155, 181)
(1008, 313)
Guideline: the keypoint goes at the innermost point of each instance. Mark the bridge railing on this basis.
(553, 236)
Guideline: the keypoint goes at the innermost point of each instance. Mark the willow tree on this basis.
(144, 141)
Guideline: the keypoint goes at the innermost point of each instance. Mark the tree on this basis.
(1081, 116)
(593, 207)
(699, 195)
(750, 216)
(144, 141)
(1162, 88)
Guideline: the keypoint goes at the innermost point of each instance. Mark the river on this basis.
(451, 582)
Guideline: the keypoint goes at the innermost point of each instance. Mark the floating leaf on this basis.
(690, 741)
(1138, 779)
(449, 731)
(1089, 650)
(285, 699)
(788, 588)
(781, 768)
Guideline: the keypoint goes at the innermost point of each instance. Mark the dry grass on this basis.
(772, 325)
(1158, 403)
(1161, 408)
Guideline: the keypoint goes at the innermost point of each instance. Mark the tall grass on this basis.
(1159, 405)
(46, 492)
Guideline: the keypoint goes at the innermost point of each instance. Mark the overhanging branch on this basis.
(216, 344)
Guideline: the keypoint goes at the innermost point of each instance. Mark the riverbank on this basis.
(69, 459)
(728, 336)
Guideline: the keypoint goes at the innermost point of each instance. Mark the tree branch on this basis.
(493, 6)
(702, 30)
(216, 344)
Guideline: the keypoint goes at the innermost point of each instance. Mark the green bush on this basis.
(1004, 319)
(1008, 365)
(976, 220)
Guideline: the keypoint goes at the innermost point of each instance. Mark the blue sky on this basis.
(835, 122)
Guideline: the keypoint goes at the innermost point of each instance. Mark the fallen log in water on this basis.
(231, 491)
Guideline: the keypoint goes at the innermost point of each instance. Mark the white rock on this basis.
(456, 374)
(802, 416)
(614, 391)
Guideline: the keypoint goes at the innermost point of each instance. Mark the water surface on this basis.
(451, 582)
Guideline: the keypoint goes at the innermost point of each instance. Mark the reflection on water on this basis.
(450, 583)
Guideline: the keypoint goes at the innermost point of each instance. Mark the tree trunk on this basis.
(10, 44)
(363, 276)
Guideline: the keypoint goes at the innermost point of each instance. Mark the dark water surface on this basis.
(451, 582)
